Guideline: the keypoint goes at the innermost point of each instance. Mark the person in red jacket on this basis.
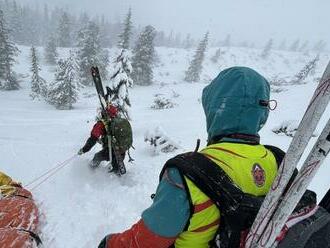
(99, 134)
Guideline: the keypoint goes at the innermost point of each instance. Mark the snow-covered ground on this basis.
(80, 206)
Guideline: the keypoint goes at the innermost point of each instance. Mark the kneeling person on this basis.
(105, 131)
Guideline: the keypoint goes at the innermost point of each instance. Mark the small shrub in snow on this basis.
(159, 141)
(175, 94)
(276, 89)
(161, 102)
(277, 81)
(288, 128)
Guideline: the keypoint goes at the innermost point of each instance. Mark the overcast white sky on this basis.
(252, 20)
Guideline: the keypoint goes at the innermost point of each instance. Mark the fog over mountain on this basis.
(251, 20)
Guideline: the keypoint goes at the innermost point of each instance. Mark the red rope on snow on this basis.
(49, 173)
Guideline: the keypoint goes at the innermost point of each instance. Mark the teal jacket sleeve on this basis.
(170, 211)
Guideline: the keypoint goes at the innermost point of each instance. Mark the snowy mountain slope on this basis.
(80, 206)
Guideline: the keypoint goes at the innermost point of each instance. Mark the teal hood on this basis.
(236, 102)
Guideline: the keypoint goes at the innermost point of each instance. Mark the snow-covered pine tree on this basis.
(160, 39)
(215, 58)
(120, 82)
(38, 84)
(319, 46)
(196, 65)
(188, 42)
(267, 49)
(15, 22)
(308, 69)
(8, 52)
(125, 35)
(144, 57)
(50, 51)
(177, 40)
(45, 25)
(295, 45)
(227, 41)
(63, 92)
(64, 31)
(282, 46)
(243, 44)
(105, 37)
(304, 47)
(90, 53)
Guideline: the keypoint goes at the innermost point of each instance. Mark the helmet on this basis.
(112, 111)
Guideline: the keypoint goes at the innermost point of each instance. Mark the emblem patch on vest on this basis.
(258, 174)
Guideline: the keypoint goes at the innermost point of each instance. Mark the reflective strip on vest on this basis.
(251, 167)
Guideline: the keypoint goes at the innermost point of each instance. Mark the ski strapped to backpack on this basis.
(103, 101)
(271, 218)
(119, 130)
(302, 180)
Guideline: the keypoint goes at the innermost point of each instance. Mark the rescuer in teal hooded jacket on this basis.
(236, 108)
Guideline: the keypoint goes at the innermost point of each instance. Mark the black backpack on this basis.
(238, 209)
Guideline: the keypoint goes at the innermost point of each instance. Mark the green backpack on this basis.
(121, 132)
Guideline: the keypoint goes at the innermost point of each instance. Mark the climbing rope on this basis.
(49, 173)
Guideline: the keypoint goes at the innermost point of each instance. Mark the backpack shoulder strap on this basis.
(208, 177)
(325, 202)
(277, 152)
(279, 155)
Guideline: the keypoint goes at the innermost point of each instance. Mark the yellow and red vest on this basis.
(251, 167)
